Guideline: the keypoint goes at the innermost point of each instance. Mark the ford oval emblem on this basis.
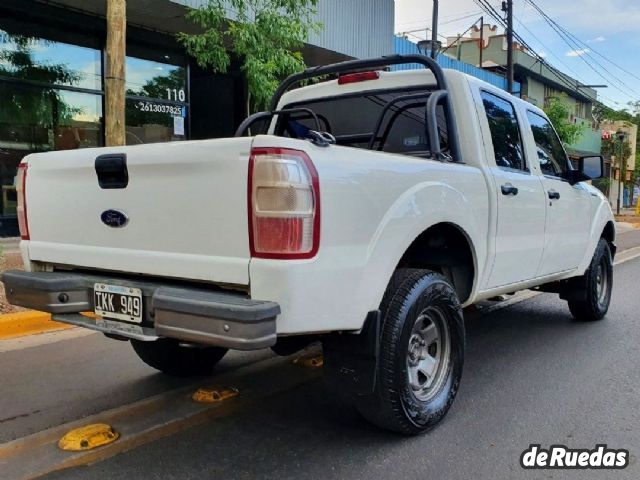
(114, 218)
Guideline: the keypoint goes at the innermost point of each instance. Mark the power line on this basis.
(454, 16)
(423, 22)
(474, 14)
(561, 77)
(560, 61)
(569, 40)
(542, 44)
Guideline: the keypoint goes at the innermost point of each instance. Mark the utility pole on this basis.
(507, 6)
(481, 40)
(115, 72)
(434, 30)
(622, 170)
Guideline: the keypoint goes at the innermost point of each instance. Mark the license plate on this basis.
(118, 302)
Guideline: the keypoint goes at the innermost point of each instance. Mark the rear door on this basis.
(519, 234)
(568, 207)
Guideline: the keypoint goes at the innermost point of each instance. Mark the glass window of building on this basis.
(51, 99)
(157, 103)
(45, 61)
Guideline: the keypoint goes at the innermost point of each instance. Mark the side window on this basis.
(553, 158)
(505, 133)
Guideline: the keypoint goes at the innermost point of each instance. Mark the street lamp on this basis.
(427, 47)
(623, 166)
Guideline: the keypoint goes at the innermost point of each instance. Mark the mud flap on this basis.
(351, 360)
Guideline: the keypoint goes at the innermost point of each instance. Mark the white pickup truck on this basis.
(376, 205)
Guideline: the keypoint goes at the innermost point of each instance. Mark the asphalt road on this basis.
(531, 376)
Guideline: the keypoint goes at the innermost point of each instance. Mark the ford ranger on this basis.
(364, 210)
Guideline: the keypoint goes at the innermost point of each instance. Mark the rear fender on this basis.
(425, 205)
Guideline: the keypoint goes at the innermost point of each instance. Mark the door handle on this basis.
(553, 195)
(111, 169)
(508, 189)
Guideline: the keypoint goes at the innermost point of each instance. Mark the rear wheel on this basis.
(421, 353)
(595, 286)
(170, 357)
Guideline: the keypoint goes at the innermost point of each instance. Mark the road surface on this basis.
(532, 375)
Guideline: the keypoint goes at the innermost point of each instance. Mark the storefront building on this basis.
(52, 76)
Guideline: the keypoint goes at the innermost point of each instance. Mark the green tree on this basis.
(266, 35)
(558, 112)
(610, 147)
(602, 112)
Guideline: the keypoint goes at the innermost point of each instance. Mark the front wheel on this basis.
(421, 353)
(176, 360)
(595, 287)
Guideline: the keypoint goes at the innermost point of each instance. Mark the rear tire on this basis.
(171, 358)
(421, 354)
(594, 287)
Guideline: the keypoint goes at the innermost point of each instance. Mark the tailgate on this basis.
(186, 204)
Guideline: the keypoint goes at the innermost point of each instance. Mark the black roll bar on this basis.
(351, 66)
(355, 65)
(244, 126)
(387, 107)
(431, 118)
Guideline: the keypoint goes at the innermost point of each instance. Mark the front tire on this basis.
(595, 286)
(171, 358)
(421, 354)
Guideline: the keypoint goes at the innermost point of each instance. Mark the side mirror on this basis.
(589, 168)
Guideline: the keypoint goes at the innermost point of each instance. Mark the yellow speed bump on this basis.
(30, 322)
(88, 437)
(214, 394)
(309, 361)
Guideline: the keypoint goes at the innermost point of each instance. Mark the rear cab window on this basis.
(391, 121)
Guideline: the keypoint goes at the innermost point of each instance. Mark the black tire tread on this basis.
(373, 407)
(588, 310)
(170, 358)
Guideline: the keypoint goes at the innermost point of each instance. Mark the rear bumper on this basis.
(194, 315)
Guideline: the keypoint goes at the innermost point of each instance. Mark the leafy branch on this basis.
(267, 36)
(558, 112)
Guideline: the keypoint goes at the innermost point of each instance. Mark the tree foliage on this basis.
(266, 35)
(631, 115)
(558, 112)
(611, 147)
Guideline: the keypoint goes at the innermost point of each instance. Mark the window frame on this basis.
(525, 157)
(566, 156)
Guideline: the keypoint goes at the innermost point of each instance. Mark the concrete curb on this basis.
(20, 324)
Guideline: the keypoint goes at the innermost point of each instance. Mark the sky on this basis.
(610, 28)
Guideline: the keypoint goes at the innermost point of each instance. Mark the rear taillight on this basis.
(284, 204)
(21, 182)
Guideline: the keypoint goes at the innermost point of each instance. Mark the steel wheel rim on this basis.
(602, 282)
(428, 354)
